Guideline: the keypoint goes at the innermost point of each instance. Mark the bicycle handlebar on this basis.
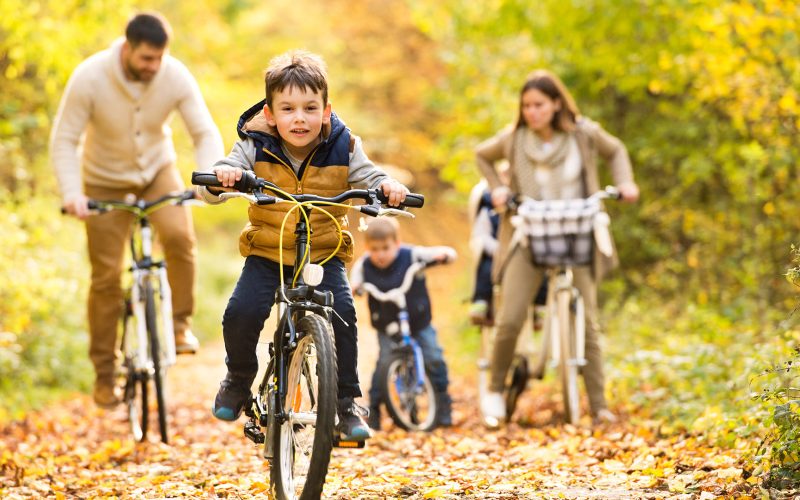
(249, 183)
(610, 192)
(138, 204)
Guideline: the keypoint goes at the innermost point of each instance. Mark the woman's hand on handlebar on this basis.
(78, 206)
(629, 192)
(395, 191)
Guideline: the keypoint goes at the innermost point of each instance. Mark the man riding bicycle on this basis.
(121, 99)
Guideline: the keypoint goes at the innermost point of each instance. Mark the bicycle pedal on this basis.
(253, 432)
(338, 443)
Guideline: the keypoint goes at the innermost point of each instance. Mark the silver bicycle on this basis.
(148, 337)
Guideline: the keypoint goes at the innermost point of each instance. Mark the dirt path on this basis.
(72, 450)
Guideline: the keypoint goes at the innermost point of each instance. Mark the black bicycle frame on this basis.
(297, 301)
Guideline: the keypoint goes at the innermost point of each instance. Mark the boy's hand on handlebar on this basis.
(227, 176)
(446, 256)
(629, 192)
(394, 191)
(78, 206)
(500, 196)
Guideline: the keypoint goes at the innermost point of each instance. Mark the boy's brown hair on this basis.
(382, 228)
(299, 69)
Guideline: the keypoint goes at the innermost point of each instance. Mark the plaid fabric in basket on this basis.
(558, 232)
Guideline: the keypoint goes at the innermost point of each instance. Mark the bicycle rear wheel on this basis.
(412, 406)
(567, 364)
(517, 381)
(155, 353)
(303, 442)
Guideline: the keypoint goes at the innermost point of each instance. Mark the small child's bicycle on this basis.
(404, 384)
(148, 339)
(293, 413)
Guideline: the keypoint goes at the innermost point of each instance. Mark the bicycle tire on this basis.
(135, 389)
(155, 352)
(568, 369)
(517, 381)
(398, 384)
(311, 390)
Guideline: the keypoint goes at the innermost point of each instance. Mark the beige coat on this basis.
(593, 141)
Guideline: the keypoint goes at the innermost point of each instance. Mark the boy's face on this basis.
(383, 252)
(298, 114)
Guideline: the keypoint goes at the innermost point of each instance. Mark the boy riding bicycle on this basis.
(385, 267)
(292, 139)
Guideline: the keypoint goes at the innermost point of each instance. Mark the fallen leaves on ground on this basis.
(72, 450)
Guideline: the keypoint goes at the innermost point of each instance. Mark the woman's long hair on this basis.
(551, 85)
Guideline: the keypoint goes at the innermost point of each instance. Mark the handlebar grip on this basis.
(90, 204)
(205, 179)
(413, 200)
(247, 183)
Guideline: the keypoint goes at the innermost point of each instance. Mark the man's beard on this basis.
(136, 74)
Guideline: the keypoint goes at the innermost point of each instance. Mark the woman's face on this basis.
(538, 109)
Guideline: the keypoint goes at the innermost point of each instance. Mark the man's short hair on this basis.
(382, 228)
(148, 27)
(299, 69)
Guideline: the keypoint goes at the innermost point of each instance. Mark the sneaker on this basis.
(374, 419)
(232, 396)
(351, 425)
(479, 312)
(106, 394)
(186, 342)
(605, 416)
(493, 406)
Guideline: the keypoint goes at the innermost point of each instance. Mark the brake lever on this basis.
(230, 195)
(394, 212)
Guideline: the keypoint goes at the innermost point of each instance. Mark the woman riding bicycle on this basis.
(552, 152)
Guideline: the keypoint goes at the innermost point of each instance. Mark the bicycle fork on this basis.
(408, 341)
(563, 283)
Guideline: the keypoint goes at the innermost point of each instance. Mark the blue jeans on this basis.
(250, 306)
(432, 353)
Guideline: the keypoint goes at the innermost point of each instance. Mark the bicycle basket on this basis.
(558, 232)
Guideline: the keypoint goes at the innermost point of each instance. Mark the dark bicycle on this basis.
(294, 410)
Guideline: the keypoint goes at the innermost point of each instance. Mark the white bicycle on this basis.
(560, 235)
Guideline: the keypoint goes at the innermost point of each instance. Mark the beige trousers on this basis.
(108, 238)
(521, 280)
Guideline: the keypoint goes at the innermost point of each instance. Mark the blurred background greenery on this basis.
(704, 93)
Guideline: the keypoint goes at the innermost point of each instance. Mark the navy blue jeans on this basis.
(432, 353)
(250, 306)
(483, 280)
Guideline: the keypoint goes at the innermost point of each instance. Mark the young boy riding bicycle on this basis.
(385, 265)
(294, 140)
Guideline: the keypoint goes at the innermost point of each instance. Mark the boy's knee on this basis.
(239, 315)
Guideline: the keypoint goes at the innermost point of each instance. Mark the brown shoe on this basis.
(186, 342)
(106, 394)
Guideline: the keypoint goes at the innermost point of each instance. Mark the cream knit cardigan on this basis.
(110, 132)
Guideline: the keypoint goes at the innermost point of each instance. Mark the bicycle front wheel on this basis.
(303, 442)
(135, 384)
(567, 364)
(155, 352)
(411, 404)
